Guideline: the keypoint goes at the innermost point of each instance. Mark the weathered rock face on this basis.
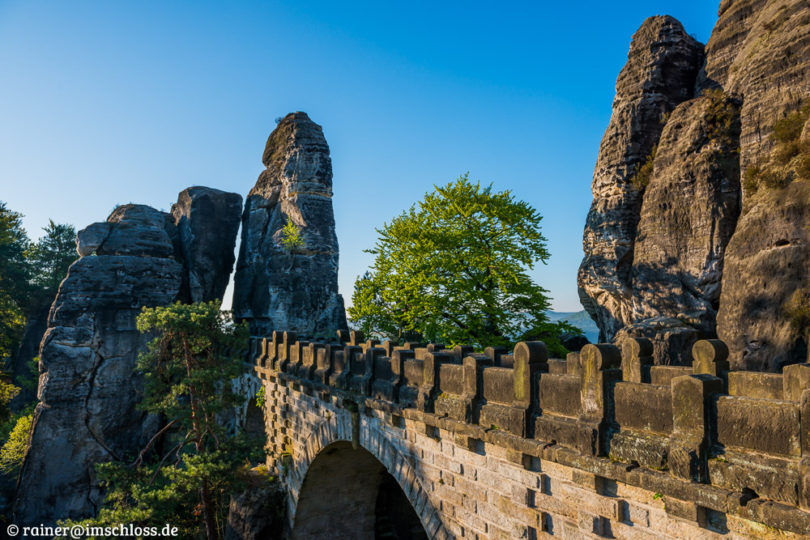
(766, 263)
(207, 222)
(688, 214)
(256, 513)
(660, 73)
(768, 63)
(711, 251)
(292, 289)
(88, 390)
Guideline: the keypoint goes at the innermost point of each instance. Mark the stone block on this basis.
(557, 366)
(644, 406)
(663, 375)
(762, 425)
(796, 379)
(685, 510)
(560, 394)
(770, 477)
(636, 359)
(755, 384)
(710, 357)
(559, 429)
(498, 385)
(646, 449)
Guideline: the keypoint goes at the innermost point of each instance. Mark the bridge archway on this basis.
(347, 493)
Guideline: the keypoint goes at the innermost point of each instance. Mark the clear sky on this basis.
(104, 103)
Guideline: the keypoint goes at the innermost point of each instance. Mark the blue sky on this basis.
(114, 102)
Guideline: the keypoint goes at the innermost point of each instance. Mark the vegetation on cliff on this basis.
(789, 158)
(453, 268)
(30, 274)
(187, 472)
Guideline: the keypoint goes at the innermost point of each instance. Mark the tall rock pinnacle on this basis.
(281, 287)
(660, 73)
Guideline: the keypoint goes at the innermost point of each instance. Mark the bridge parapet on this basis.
(718, 450)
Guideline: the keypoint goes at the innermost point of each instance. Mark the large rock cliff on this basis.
(291, 287)
(768, 258)
(88, 390)
(660, 74)
(719, 243)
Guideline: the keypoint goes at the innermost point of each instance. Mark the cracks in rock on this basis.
(99, 440)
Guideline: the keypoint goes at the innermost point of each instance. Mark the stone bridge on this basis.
(379, 441)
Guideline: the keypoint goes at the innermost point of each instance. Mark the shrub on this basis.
(751, 178)
(643, 173)
(803, 166)
(789, 128)
(722, 117)
(774, 178)
(291, 238)
(13, 451)
(786, 151)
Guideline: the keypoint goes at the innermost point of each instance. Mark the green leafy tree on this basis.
(13, 450)
(14, 279)
(49, 259)
(187, 472)
(453, 268)
(291, 238)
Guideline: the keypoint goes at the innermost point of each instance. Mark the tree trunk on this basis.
(205, 493)
(208, 512)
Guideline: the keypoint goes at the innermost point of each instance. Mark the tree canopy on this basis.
(187, 472)
(454, 268)
(49, 259)
(30, 273)
(14, 276)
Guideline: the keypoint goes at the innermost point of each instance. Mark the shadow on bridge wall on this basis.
(369, 488)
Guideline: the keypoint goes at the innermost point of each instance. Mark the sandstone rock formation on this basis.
(761, 51)
(688, 214)
(660, 73)
(291, 288)
(87, 390)
(207, 222)
(705, 248)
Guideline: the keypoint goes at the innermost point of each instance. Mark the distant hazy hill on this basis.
(580, 319)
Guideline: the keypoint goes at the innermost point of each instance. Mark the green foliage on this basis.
(453, 269)
(789, 128)
(643, 173)
(789, 159)
(722, 118)
(14, 272)
(30, 380)
(14, 276)
(49, 259)
(751, 178)
(261, 398)
(551, 333)
(784, 152)
(29, 273)
(291, 238)
(7, 392)
(187, 368)
(13, 450)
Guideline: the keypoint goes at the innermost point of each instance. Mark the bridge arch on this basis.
(363, 490)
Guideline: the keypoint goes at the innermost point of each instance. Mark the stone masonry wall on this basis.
(497, 445)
